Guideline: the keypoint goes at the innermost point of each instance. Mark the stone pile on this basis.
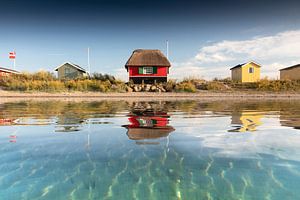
(146, 88)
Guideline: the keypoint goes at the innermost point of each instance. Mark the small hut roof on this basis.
(73, 65)
(241, 65)
(147, 57)
(237, 66)
(287, 68)
(9, 70)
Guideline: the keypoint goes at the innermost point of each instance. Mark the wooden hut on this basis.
(246, 73)
(70, 70)
(148, 66)
(5, 72)
(290, 73)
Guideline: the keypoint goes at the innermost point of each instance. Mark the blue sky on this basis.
(206, 38)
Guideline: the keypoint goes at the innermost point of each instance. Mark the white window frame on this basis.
(251, 70)
(147, 70)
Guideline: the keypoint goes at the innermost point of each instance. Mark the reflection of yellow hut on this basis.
(249, 120)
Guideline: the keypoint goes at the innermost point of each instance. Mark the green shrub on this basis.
(185, 87)
(170, 85)
(216, 86)
(46, 82)
(278, 85)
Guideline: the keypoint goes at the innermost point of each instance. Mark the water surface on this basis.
(150, 150)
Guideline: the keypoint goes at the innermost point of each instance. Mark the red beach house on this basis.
(147, 66)
(4, 72)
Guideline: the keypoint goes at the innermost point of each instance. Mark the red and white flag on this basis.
(12, 55)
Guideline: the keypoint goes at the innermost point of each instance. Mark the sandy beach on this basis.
(10, 96)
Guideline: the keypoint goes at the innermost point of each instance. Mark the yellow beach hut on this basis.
(246, 73)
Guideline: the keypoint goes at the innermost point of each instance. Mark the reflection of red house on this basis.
(5, 121)
(150, 122)
(148, 66)
(148, 127)
(4, 72)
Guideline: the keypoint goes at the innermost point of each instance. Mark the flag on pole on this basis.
(12, 55)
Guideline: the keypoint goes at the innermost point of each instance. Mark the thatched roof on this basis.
(147, 57)
(148, 133)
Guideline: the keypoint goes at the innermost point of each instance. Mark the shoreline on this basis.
(207, 95)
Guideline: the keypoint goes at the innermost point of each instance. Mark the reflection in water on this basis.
(6, 121)
(248, 120)
(67, 128)
(148, 124)
(200, 159)
(290, 118)
(76, 113)
(33, 121)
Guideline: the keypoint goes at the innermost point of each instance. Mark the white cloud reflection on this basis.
(270, 138)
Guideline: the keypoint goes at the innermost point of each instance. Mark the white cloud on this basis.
(212, 57)
(272, 52)
(121, 74)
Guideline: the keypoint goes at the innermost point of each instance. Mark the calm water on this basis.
(150, 150)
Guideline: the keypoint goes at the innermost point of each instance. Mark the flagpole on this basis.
(15, 63)
(89, 66)
(167, 45)
(12, 55)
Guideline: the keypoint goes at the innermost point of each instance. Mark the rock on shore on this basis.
(146, 88)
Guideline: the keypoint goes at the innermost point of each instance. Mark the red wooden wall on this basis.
(3, 73)
(134, 71)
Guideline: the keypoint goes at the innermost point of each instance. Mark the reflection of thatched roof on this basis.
(148, 133)
(146, 57)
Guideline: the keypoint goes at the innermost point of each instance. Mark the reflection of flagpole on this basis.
(168, 141)
(13, 136)
(88, 136)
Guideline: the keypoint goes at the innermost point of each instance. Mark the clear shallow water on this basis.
(150, 150)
